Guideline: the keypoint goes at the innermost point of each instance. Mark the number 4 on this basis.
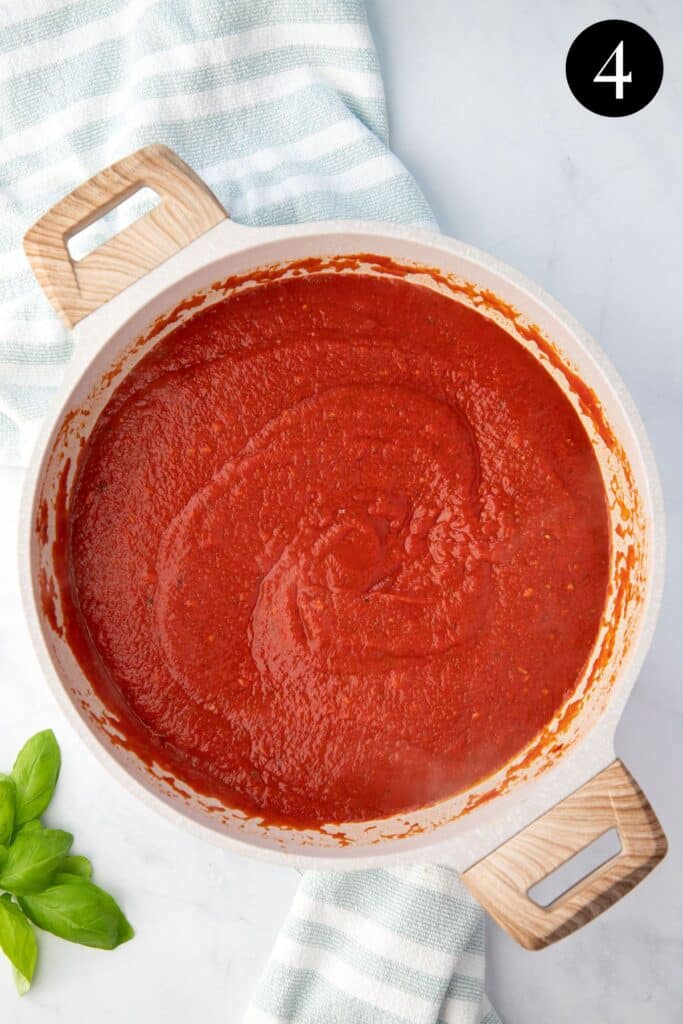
(619, 78)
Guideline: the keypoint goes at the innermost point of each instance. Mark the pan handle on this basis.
(77, 287)
(501, 881)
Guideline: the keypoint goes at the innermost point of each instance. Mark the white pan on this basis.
(566, 788)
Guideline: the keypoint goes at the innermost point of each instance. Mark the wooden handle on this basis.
(77, 287)
(501, 881)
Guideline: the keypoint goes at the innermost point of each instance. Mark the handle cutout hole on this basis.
(111, 223)
(576, 868)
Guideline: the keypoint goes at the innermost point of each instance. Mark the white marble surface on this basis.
(592, 209)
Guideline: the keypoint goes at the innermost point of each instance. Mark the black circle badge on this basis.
(614, 68)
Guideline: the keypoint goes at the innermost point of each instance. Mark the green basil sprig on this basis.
(41, 882)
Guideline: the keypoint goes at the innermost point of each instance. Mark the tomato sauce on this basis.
(338, 547)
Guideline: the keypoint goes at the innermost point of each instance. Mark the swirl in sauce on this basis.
(339, 546)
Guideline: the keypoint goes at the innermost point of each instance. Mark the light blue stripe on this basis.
(213, 138)
(254, 66)
(9, 439)
(465, 988)
(354, 154)
(20, 285)
(26, 404)
(72, 77)
(347, 158)
(368, 110)
(380, 968)
(303, 997)
(22, 351)
(438, 922)
(186, 23)
(290, 12)
(366, 203)
(54, 88)
(56, 23)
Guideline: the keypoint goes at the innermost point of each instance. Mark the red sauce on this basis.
(338, 547)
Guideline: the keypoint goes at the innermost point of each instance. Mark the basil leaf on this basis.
(8, 803)
(80, 912)
(18, 943)
(31, 826)
(35, 774)
(33, 858)
(64, 878)
(21, 983)
(77, 866)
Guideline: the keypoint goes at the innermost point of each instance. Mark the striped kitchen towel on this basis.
(279, 105)
(395, 946)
